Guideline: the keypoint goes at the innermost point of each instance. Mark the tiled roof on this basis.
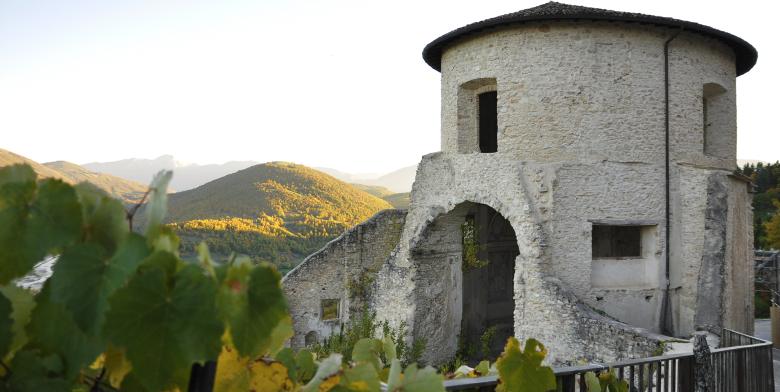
(746, 54)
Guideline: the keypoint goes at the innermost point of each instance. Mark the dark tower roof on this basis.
(746, 54)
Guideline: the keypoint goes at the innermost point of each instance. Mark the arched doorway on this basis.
(464, 292)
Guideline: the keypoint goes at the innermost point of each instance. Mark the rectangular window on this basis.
(329, 309)
(611, 242)
(488, 121)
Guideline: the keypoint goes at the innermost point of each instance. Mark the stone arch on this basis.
(312, 338)
(456, 300)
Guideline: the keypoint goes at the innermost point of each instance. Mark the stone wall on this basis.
(591, 91)
(343, 270)
(421, 287)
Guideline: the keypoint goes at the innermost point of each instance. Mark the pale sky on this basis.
(331, 83)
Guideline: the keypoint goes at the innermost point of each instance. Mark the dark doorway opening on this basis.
(488, 283)
(488, 121)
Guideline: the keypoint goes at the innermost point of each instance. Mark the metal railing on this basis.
(741, 363)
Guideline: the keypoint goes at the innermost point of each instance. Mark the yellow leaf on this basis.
(270, 376)
(232, 372)
(117, 365)
(329, 383)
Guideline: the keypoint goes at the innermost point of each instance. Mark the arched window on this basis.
(714, 123)
(478, 116)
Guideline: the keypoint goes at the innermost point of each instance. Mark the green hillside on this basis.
(127, 190)
(397, 200)
(279, 212)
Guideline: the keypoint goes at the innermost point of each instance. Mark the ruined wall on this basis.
(420, 288)
(739, 272)
(341, 270)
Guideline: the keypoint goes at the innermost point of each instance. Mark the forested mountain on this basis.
(126, 190)
(766, 203)
(278, 211)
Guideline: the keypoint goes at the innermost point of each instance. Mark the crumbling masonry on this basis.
(592, 152)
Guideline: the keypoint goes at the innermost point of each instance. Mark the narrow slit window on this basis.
(715, 132)
(610, 242)
(488, 121)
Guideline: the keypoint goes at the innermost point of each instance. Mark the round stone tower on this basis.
(585, 192)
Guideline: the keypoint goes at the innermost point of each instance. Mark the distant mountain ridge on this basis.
(185, 176)
(126, 190)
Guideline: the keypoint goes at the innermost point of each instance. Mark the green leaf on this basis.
(53, 330)
(523, 370)
(389, 348)
(483, 368)
(22, 302)
(84, 278)
(33, 373)
(328, 367)
(6, 325)
(17, 187)
(157, 204)
(361, 377)
(306, 366)
(18, 173)
(367, 351)
(253, 304)
(287, 357)
(414, 379)
(55, 216)
(163, 327)
(592, 382)
(33, 225)
(105, 218)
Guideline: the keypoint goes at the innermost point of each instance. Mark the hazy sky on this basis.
(324, 83)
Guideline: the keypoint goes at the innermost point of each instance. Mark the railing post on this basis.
(202, 377)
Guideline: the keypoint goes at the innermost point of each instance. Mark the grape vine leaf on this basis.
(164, 327)
(233, 371)
(157, 204)
(329, 367)
(105, 220)
(65, 339)
(522, 370)
(360, 378)
(306, 366)
(592, 382)
(33, 373)
(22, 302)
(55, 217)
(85, 277)
(6, 325)
(367, 350)
(253, 304)
(17, 187)
(414, 379)
(389, 349)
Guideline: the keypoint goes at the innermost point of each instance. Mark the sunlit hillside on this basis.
(279, 212)
(126, 190)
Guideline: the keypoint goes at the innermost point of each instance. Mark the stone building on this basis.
(584, 195)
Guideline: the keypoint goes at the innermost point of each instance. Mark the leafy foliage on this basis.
(766, 181)
(129, 312)
(522, 370)
(606, 381)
